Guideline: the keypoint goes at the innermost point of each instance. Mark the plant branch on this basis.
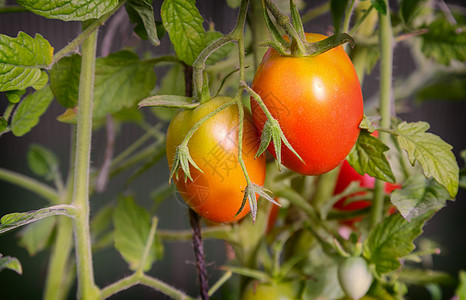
(86, 285)
(85, 34)
(149, 243)
(284, 21)
(135, 279)
(386, 69)
(30, 184)
(194, 220)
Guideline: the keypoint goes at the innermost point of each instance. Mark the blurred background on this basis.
(447, 119)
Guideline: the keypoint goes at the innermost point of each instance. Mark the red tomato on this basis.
(347, 175)
(217, 193)
(317, 102)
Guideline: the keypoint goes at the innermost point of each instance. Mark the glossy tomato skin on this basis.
(217, 193)
(317, 102)
(347, 175)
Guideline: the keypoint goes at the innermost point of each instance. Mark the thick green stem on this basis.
(86, 285)
(386, 50)
(30, 184)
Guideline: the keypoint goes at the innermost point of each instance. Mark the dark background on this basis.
(447, 119)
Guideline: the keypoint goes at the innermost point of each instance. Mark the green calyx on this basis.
(296, 45)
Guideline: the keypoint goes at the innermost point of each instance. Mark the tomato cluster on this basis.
(317, 101)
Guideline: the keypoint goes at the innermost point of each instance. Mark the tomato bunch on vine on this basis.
(264, 137)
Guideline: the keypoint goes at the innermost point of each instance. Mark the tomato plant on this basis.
(217, 192)
(317, 102)
(144, 89)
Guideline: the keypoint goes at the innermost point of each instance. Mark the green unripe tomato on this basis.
(355, 277)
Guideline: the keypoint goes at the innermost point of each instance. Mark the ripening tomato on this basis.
(317, 102)
(347, 175)
(217, 193)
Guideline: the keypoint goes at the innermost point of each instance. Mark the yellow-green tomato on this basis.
(217, 193)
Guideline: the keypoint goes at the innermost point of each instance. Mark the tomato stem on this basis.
(297, 43)
(194, 220)
(85, 34)
(30, 184)
(200, 63)
(86, 285)
(386, 69)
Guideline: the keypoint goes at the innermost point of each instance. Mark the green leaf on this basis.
(42, 81)
(172, 101)
(444, 42)
(30, 110)
(367, 157)
(132, 225)
(461, 289)
(444, 86)
(390, 240)
(14, 220)
(64, 80)
(380, 6)
(37, 236)
(221, 52)
(121, 79)
(338, 9)
(21, 59)
(434, 155)
(42, 161)
(66, 10)
(410, 8)
(12, 263)
(183, 23)
(419, 196)
(15, 95)
(142, 13)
